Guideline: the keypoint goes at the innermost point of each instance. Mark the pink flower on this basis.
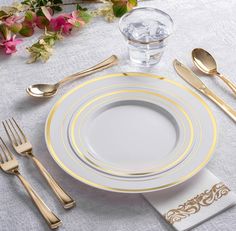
(10, 44)
(10, 21)
(60, 23)
(64, 22)
(74, 19)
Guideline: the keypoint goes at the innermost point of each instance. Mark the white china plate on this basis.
(131, 132)
(124, 135)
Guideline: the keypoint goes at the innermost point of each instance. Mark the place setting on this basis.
(127, 132)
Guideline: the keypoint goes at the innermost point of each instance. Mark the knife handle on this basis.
(221, 103)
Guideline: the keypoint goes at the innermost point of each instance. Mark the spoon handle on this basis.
(111, 61)
(228, 82)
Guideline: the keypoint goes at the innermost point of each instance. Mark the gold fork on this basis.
(23, 147)
(9, 164)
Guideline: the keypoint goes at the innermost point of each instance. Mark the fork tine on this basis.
(7, 153)
(20, 130)
(1, 158)
(15, 131)
(8, 150)
(9, 132)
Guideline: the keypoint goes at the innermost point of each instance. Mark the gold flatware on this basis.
(23, 147)
(205, 62)
(9, 164)
(49, 90)
(194, 81)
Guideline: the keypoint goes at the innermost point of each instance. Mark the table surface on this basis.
(210, 24)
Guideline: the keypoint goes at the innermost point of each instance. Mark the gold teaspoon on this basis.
(207, 64)
(49, 90)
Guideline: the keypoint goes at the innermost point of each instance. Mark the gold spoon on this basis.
(49, 90)
(207, 64)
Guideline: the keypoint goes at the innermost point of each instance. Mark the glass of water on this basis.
(146, 30)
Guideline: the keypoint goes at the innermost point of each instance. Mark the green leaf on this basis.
(42, 22)
(3, 14)
(85, 16)
(30, 16)
(26, 2)
(79, 7)
(43, 48)
(132, 3)
(27, 30)
(4, 31)
(39, 13)
(119, 9)
(57, 1)
(15, 28)
(57, 8)
(77, 24)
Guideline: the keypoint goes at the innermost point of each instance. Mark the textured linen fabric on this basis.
(210, 24)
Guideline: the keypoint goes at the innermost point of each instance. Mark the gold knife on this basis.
(194, 81)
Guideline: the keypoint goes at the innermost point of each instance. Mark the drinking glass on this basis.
(146, 30)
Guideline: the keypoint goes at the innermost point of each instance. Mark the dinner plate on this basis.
(131, 132)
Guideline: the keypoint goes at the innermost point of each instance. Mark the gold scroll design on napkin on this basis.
(194, 205)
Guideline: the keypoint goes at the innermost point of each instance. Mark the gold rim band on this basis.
(149, 171)
(124, 179)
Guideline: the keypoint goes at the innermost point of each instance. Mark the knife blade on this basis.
(188, 75)
(191, 78)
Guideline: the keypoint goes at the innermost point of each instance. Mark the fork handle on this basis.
(63, 197)
(52, 220)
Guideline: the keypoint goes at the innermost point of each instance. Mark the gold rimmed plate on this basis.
(131, 132)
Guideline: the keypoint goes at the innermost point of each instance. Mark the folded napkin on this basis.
(192, 202)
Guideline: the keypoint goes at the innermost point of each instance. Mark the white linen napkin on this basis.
(192, 202)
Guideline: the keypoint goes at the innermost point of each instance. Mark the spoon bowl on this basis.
(204, 61)
(49, 90)
(42, 90)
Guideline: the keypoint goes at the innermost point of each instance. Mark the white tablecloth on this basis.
(210, 24)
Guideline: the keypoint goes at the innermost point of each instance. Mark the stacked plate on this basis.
(131, 132)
